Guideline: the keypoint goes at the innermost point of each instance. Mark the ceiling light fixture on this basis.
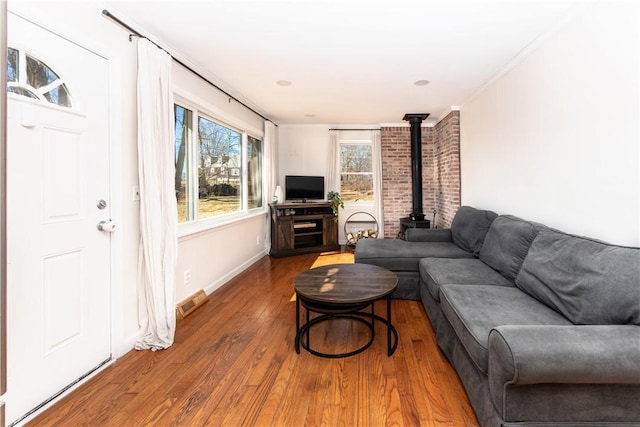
(421, 82)
(283, 83)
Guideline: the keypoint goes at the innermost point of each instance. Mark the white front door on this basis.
(58, 292)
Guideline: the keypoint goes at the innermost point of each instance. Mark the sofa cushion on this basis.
(588, 281)
(436, 272)
(506, 244)
(473, 311)
(469, 226)
(399, 255)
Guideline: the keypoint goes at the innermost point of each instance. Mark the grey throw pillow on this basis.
(506, 245)
(469, 227)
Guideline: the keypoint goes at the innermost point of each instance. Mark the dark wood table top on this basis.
(345, 283)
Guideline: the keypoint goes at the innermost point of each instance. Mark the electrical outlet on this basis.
(258, 239)
(187, 276)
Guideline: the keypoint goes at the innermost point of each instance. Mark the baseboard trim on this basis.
(233, 273)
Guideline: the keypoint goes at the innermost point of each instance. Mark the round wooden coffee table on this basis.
(344, 291)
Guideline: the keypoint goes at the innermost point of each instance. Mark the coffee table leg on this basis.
(373, 319)
(389, 351)
(297, 341)
(308, 331)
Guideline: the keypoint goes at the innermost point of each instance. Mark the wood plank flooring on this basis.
(233, 364)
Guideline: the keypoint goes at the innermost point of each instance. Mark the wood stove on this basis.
(416, 216)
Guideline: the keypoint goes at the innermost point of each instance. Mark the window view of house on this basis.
(219, 163)
(209, 179)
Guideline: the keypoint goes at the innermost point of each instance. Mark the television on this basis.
(303, 188)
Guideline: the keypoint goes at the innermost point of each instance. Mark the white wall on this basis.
(304, 150)
(215, 256)
(556, 139)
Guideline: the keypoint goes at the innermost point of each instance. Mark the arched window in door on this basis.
(30, 77)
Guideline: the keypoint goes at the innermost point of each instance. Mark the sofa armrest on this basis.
(576, 354)
(428, 235)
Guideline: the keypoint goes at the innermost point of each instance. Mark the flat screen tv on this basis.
(300, 188)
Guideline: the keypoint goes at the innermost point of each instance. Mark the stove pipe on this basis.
(416, 164)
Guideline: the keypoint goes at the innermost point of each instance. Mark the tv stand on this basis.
(299, 228)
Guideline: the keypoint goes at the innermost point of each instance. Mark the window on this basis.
(184, 133)
(218, 168)
(356, 171)
(254, 175)
(30, 77)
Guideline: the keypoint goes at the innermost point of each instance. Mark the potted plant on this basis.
(333, 197)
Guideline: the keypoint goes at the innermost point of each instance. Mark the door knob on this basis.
(107, 226)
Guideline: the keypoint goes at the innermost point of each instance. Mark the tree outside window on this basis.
(219, 155)
(254, 172)
(183, 132)
(356, 172)
(210, 178)
(30, 77)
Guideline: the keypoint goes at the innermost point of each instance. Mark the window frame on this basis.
(21, 81)
(200, 108)
(356, 140)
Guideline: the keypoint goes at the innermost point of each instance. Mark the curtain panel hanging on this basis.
(271, 166)
(158, 219)
(333, 179)
(376, 148)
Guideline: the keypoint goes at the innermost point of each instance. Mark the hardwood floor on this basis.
(233, 364)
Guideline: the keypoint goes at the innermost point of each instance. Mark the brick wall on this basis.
(440, 172)
(447, 168)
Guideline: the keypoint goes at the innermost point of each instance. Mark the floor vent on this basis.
(187, 306)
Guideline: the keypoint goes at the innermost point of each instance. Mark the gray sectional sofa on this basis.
(542, 327)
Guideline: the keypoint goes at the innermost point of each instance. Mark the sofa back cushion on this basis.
(588, 281)
(469, 227)
(506, 244)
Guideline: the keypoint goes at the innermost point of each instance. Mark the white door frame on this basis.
(3, 211)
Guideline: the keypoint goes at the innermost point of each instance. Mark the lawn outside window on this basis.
(219, 171)
(356, 171)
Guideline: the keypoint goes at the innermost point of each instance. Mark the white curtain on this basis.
(271, 168)
(378, 208)
(158, 218)
(333, 183)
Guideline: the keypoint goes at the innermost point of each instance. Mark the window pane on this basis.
(219, 167)
(254, 172)
(183, 133)
(22, 91)
(38, 74)
(356, 175)
(355, 158)
(356, 187)
(59, 96)
(12, 65)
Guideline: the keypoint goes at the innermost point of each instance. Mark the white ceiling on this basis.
(349, 61)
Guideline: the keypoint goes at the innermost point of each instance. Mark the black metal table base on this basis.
(333, 311)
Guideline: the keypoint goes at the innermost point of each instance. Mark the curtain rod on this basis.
(108, 14)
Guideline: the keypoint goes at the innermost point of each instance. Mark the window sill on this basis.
(354, 205)
(187, 231)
